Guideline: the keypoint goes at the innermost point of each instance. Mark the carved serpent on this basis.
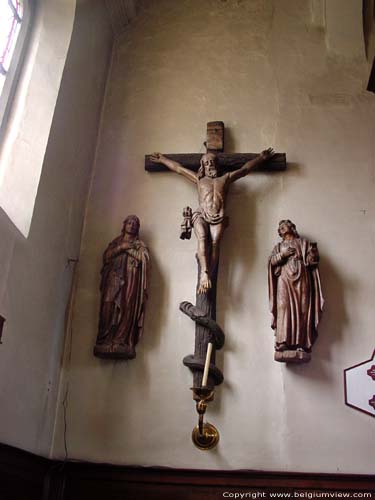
(216, 337)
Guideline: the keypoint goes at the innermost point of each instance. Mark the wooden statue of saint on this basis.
(209, 220)
(295, 295)
(123, 293)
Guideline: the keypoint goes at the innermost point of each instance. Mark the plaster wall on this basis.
(264, 68)
(25, 132)
(35, 276)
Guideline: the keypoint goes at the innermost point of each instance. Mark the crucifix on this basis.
(212, 173)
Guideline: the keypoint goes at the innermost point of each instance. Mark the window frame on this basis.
(26, 131)
(16, 64)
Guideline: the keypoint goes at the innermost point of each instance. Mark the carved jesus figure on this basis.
(209, 220)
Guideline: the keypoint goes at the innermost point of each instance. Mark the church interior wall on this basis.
(35, 276)
(275, 79)
(266, 72)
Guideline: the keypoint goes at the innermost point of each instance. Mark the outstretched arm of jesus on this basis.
(250, 165)
(174, 166)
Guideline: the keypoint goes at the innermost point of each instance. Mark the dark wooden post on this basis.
(206, 302)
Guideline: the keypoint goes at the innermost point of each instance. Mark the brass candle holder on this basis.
(205, 436)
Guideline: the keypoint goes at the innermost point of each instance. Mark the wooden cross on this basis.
(204, 312)
(207, 332)
(227, 161)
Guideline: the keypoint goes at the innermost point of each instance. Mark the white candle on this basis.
(207, 364)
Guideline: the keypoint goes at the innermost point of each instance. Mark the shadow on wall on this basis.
(121, 377)
(239, 245)
(155, 309)
(243, 251)
(229, 144)
(154, 318)
(239, 251)
(333, 321)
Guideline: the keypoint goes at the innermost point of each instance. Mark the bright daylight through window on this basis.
(34, 42)
(11, 13)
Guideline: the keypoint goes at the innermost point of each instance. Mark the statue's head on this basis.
(131, 225)
(286, 226)
(208, 166)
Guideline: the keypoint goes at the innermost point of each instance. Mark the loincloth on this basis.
(215, 219)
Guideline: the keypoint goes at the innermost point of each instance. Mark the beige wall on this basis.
(262, 68)
(26, 129)
(35, 278)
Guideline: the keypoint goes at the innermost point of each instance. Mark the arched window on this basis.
(15, 17)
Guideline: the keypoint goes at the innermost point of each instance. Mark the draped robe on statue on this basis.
(123, 287)
(295, 295)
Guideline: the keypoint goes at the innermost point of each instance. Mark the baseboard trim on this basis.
(30, 477)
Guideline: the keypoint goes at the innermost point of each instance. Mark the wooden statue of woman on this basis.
(123, 293)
